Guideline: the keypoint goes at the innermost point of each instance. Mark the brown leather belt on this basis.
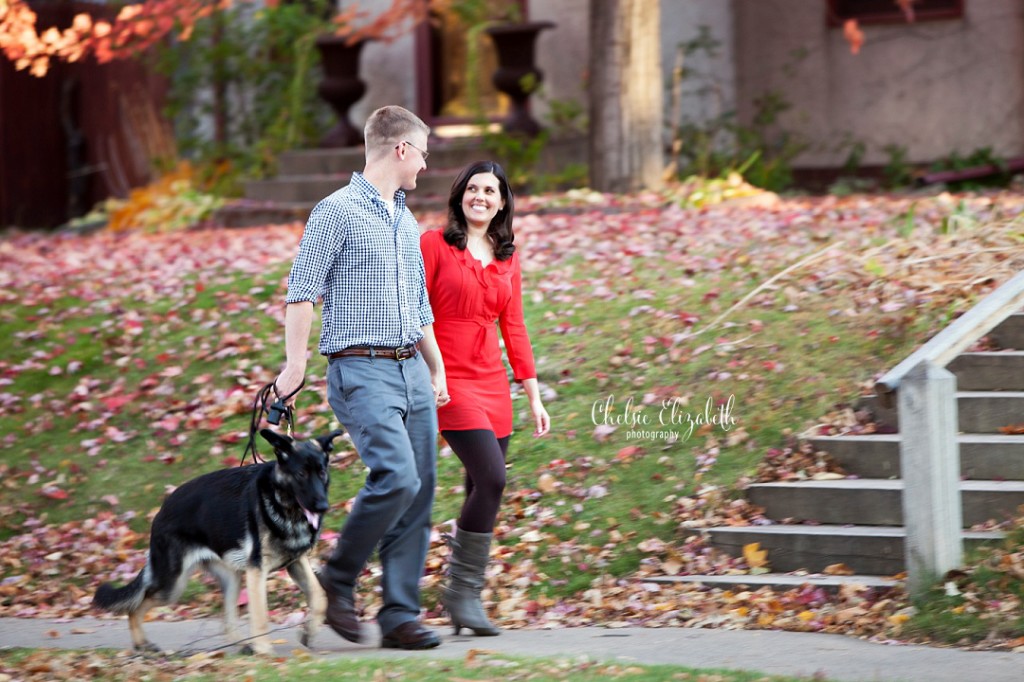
(384, 352)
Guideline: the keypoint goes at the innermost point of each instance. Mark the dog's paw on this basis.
(258, 649)
(305, 638)
(147, 648)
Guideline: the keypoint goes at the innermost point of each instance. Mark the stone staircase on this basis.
(306, 176)
(858, 521)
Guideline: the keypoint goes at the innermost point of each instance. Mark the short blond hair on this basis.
(390, 125)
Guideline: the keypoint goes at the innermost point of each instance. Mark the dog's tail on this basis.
(123, 599)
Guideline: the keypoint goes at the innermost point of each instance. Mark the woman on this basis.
(473, 281)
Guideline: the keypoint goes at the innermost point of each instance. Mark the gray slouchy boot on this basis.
(461, 596)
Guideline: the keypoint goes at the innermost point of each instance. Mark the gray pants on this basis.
(388, 408)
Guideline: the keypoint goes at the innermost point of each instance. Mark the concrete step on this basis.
(863, 516)
(294, 189)
(864, 549)
(251, 213)
(876, 502)
(988, 411)
(321, 161)
(1010, 333)
(982, 456)
(780, 581)
(447, 156)
(313, 188)
(887, 417)
(989, 371)
(978, 411)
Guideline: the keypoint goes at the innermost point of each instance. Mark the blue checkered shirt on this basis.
(367, 268)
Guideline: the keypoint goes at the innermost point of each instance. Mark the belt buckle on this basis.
(398, 354)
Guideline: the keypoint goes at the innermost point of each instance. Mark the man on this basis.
(360, 254)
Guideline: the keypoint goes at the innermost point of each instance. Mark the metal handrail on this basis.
(954, 339)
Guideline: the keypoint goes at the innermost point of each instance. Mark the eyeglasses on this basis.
(424, 152)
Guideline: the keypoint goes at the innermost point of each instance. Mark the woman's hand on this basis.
(541, 420)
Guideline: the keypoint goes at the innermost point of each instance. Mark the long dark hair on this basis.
(500, 229)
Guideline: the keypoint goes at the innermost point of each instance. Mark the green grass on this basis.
(100, 665)
(819, 361)
(613, 314)
(155, 368)
(495, 667)
(984, 601)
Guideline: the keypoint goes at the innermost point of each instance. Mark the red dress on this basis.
(467, 299)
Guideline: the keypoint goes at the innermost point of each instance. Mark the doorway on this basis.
(455, 62)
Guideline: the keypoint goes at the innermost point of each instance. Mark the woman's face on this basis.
(482, 199)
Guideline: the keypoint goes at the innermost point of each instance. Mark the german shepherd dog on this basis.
(254, 519)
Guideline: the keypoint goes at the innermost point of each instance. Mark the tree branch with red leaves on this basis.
(139, 26)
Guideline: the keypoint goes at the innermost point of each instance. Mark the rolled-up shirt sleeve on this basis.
(321, 241)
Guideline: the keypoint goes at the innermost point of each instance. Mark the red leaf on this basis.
(115, 403)
(627, 452)
(53, 492)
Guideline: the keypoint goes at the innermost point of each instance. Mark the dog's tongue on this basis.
(313, 519)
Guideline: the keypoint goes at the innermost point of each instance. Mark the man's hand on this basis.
(288, 382)
(440, 384)
(432, 356)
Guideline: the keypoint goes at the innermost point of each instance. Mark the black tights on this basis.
(483, 457)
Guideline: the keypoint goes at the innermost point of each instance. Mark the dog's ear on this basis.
(282, 444)
(327, 442)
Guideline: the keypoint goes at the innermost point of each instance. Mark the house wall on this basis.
(932, 87)
(709, 83)
(563, 53)
(389, 69)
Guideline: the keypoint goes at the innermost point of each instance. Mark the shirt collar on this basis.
(370, 191)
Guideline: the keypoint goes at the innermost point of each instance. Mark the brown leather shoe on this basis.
(341, 613)
(410, 635)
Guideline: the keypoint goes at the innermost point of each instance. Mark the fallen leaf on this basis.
(754, 555)
(546, 483)
(838, 569)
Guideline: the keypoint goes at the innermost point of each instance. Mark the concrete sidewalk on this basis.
(838, 658)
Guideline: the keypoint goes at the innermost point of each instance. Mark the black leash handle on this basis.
(278, 410)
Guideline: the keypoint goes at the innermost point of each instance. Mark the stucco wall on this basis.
(932, 87)
(563, 53)
(710, 88)
(389, 69)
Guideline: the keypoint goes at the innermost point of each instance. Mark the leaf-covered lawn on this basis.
(680, 351)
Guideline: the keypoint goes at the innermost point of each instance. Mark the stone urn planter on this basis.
(517, 74)
(341, 86)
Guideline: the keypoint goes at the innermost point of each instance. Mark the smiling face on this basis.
(482, 200)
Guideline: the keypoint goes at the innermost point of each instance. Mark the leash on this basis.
(277, 411)
(190, 649)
